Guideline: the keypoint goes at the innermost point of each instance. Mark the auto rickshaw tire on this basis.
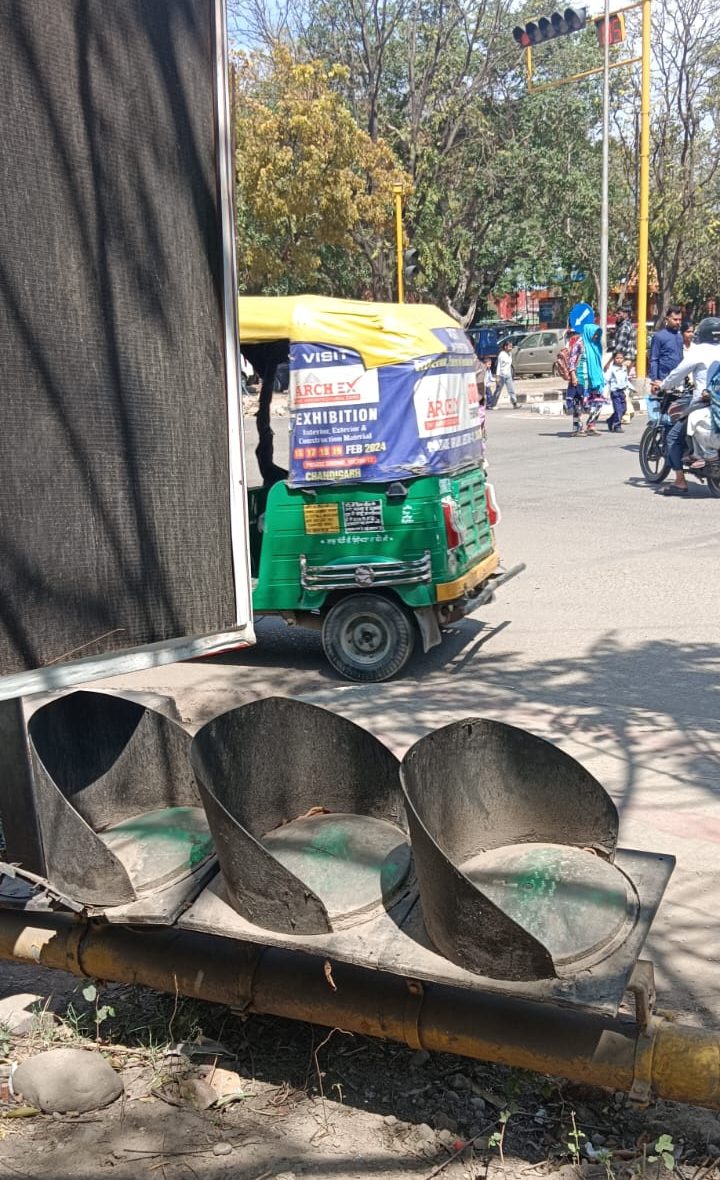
(652, 446)
(368, 637)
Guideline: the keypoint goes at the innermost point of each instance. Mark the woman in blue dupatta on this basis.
(590, 375)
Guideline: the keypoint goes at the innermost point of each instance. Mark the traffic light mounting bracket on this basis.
(528, 48)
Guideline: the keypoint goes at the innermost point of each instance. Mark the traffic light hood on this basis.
(487, 860)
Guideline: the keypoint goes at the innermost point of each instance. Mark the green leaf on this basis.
(90, 993)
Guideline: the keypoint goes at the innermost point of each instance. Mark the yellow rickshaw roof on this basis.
(383, 333)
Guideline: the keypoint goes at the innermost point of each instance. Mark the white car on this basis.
(535, 356)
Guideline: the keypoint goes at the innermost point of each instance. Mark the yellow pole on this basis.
(398, 191)
(644, 211)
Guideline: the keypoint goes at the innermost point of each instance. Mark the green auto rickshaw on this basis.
(381, 530)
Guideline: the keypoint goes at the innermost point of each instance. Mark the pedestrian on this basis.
(687, 331)
(666, 351)
(590, 375)
(562, 367)
(626, 341)
(504, 374)
(626, 336)
(618, 382)
(488, 381)
(575, 393)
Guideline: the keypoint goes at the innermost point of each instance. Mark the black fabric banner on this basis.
(114, 480)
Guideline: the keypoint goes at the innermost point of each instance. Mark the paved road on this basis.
(607, 645)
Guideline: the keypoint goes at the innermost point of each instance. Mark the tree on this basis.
(314, 191)
(685, 143)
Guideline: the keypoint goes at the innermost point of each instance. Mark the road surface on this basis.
(607, 645)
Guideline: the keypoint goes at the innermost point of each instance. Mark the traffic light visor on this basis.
(410, 262)
(575, 19)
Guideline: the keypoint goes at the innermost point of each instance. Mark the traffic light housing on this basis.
(487, 859)
(616, 27)
(558, 24)
(410, 263)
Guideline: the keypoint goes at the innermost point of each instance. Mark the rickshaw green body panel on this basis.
(306, 544)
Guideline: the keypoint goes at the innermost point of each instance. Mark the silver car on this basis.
(535, 356)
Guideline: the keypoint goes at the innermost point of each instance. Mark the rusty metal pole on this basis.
(663, 1059)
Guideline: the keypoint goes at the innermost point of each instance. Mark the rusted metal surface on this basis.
(664, 1060)
(269, 764)
(87, 764)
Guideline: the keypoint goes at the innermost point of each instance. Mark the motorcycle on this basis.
(654, 462)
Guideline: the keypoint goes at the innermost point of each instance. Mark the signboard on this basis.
(352, 424)
(581, 314)
(550, 311)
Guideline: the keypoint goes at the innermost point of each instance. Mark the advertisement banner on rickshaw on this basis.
(350, 424)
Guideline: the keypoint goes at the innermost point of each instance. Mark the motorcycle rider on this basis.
(704, 350)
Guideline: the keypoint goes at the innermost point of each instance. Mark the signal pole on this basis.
(398, 191)
(644, 202)
(604, 216)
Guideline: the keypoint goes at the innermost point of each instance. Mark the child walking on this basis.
(618, 382)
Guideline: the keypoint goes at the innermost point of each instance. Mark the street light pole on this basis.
(398, 192)
(644, 204)
(604, 215)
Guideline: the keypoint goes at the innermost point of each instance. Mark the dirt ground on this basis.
(317, 1103)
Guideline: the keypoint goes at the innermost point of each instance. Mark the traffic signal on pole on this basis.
(558, 24)
(616, 28)
(410, 263)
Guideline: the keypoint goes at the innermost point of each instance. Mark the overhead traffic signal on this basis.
(558, 24)
(616, 28)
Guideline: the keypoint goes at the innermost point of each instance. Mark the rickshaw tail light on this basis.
(453, 532)
(493, 511)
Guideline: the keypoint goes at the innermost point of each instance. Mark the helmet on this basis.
(708, 331)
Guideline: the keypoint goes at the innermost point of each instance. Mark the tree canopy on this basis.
(341, 98)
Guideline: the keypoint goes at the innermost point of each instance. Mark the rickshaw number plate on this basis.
(322, 518)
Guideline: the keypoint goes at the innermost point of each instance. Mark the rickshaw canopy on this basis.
(378, 391)
(382, 333)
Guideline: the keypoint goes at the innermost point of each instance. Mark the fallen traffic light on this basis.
(501, 872)
(558, 24)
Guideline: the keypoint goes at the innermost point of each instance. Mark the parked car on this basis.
(514, 335)
(484, 341)
(535, 356)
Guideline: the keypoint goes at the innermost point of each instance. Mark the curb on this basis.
(551, 403)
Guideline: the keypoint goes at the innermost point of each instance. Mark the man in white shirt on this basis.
(504, 376)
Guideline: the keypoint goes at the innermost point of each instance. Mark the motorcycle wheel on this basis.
(653, 462)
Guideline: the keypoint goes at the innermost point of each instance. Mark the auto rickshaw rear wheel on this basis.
(368, 637)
